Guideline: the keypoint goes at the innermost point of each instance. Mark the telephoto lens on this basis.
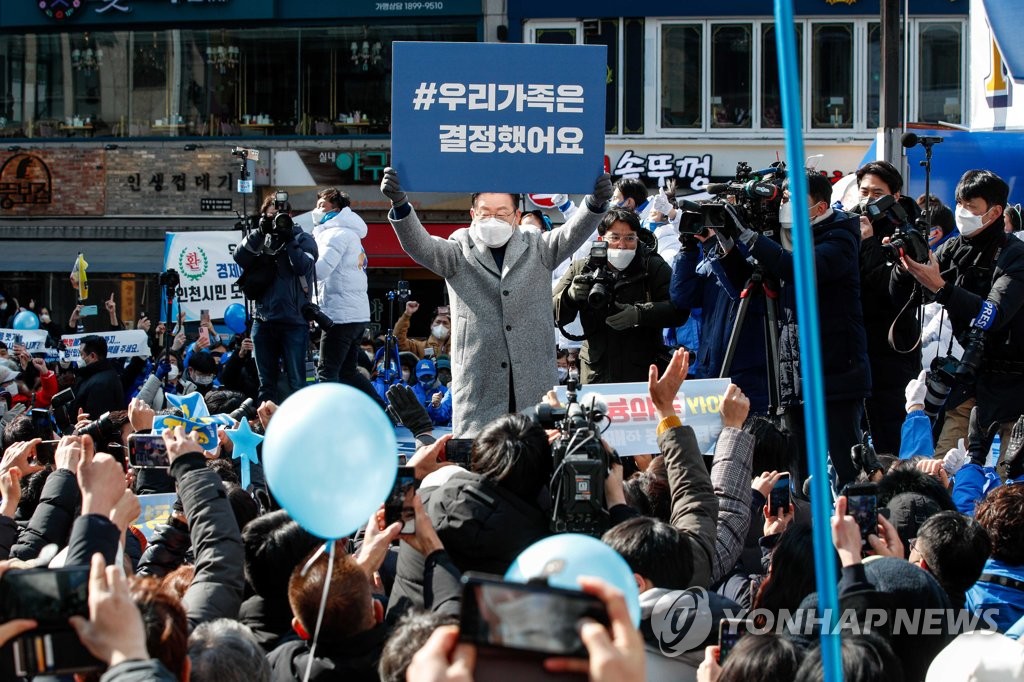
(246, 410)
(936, 393)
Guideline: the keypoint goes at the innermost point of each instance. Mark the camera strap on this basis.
(892, 328)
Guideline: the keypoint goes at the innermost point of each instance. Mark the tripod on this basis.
(759, 284)
(401, 293)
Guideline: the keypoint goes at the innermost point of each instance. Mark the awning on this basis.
(137, 245)
(1006, 17)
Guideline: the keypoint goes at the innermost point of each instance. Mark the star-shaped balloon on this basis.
(191, 405)
(245, 442)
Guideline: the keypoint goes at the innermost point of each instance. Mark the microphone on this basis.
(912, 140)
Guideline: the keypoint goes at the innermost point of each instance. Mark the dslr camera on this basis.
(580, 464)
(888, 219)
(280, 224)
(602, 289)
(311, 312)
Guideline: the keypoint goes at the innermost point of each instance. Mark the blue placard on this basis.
(477, 117)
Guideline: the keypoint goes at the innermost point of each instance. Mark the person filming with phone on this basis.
(278, 261)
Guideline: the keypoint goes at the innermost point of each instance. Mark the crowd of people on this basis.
(927, 527)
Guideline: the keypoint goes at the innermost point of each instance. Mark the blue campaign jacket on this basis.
(439, 415)
(1005, 604)
(704, 282)
(916, 437)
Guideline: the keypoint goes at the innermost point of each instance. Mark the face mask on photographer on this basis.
(621, 258)
(968, 223)
(492, 232)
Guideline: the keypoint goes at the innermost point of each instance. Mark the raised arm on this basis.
(440, 256)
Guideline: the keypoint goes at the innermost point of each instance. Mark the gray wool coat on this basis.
(501, 320)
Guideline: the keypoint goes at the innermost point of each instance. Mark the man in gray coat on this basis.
(503, 333)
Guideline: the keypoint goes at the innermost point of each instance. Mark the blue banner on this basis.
(468, 117)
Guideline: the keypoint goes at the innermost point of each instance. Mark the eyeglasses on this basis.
(500, 215)
(616, 238)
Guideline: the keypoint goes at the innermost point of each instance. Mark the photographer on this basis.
(278, 261)
(623, 303)
(978, 277)
(892, 365)
(341, 288)
(843, 344)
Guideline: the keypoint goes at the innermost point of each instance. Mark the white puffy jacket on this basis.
(341, 268)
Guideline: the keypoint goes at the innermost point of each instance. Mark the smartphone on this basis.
(204, 315)
(17, 340)
(88, 311)
(398, 506)
(531, 617)
(730, 630)
(42, 424)
(204, 333)
(459, 451)
(147, 451)
(46, 453)
(779, 497)
(60, 404)
(49, 596)
(862, 505)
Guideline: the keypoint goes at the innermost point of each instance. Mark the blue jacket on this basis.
(704, 282)
(293, 286)
(1005, 604)
(438, 414)
(916, 437)
(843, 341)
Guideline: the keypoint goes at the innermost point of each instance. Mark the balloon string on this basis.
(323, 601)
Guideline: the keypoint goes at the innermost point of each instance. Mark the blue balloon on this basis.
(330, 458)
(234, 317)
(564, 558)
(25, 320)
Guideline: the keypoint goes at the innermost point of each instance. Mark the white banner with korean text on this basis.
(207, 270)
(120, 344)
(633, 425)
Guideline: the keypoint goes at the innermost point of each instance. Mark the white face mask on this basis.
(530, 227)
(45, 319)
(202, 379)
(967, 222)
(823, 216)
(493, 233)
(318, 215)
(405, 375)
(172, 376)
(620, 258)
(439, 331)
(563, 373)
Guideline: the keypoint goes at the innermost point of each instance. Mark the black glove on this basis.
(733, 225)
(1014, 458)
(979, 440)
(406, 408)
(390, 187)
(865, 458)
(579, 289)
(598, 200)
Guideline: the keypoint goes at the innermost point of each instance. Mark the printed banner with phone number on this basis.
(634, 425)
(120, 344)
(34, 340)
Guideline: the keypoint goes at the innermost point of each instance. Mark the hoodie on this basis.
(341, 268)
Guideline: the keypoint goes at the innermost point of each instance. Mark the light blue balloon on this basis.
(234, 317)
(564, 558)
(330, 458)
(25, 320)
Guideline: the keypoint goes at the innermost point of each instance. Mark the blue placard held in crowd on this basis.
(498, 117)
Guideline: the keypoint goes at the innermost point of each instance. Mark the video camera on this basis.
(580, 464)
(888, 219)
(756, 196)
(401, 292)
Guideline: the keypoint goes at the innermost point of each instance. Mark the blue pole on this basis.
(810, 340)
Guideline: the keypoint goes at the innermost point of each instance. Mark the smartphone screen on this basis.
(48, 595)
(730, 630)
(42, 424)
(862, 505)
(398, 506)
(204, 333)
(459, 451)
(778, 497)
(526, 617)
(46, 452)
(147, 451)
